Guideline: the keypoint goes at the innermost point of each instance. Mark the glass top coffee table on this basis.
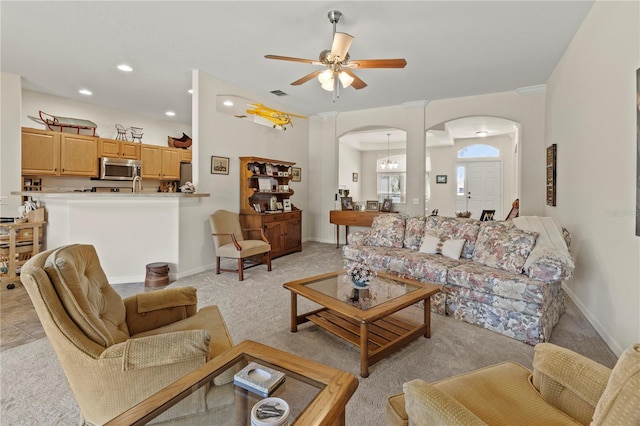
(364, 316)
(316, 393)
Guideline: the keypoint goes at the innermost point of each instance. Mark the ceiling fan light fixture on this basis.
(345, 79)
(328, 85)
(325, 76)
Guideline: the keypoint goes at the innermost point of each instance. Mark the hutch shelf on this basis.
(265, 202)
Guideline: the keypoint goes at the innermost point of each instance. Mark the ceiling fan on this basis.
(338, 63)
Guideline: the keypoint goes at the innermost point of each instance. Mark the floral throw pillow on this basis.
(503, 247)
(387, 230)
(414, 228)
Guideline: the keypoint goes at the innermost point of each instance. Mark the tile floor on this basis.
(19, 323)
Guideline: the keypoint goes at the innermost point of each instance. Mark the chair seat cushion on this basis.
(503, 395)
(248, 248)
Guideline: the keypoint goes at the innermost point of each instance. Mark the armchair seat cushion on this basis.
(248, 248)
(497, 395)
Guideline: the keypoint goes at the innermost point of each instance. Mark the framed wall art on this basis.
(296, 174)
(219, 165)
(441, 178)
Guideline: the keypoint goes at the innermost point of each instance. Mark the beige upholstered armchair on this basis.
(565, 388)
(230, 242)
(116, 352)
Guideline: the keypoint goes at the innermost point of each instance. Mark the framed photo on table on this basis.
(373, 205)
(386, 205)
(347, 203)
(286, 205)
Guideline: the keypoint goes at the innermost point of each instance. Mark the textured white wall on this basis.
(590, 115)
(10, 144)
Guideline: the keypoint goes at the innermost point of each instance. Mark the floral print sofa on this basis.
(493, 274)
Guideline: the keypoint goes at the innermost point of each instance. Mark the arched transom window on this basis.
(479, 151)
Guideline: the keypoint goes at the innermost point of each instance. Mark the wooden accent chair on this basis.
(115, 352)
(565, 388)
(230, 242)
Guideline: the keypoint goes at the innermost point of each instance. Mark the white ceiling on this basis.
(452, 48)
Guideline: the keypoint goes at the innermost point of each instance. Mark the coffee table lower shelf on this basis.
(381, 337)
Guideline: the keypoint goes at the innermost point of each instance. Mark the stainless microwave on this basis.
(119, 169)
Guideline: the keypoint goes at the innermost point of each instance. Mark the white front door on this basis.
(480, 187)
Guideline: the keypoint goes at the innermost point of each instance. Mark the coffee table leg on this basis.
(427, 316)
(364, 349)
(294, 312)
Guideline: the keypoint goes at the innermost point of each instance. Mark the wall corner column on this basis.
(416, 151)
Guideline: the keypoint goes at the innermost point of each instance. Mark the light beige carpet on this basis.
(34, 390)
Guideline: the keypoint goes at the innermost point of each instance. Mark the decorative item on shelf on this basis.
(373, 205)
(286, 205)
(360, 275)
(58, 123)
(188, 188)
(121, 132)
(466, 214)
(136, 133)
(182, 142)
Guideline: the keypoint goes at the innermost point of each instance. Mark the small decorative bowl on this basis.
(463, 214)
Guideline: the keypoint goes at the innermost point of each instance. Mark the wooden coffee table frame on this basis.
(327, 408)
(374, 331)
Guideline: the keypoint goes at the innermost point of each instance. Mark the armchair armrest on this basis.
(260, 230)
(161, 349)
(147, 311)
(233, 238)
(570, 381)
(428, 405)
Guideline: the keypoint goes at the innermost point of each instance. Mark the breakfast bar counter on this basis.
(129, 230)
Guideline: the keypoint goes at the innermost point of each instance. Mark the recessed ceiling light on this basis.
(85, 92)
(125, 68)
(190, 91)
(482, 133)
(170, 113)
(228, 103)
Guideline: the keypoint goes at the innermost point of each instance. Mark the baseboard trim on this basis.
(608, 339)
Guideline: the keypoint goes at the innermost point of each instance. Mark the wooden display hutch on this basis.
(260, 180)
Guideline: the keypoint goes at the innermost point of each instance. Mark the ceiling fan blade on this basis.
(377, 63)
(341, 44)
(357, 82)
(288, 58)
(306, 78)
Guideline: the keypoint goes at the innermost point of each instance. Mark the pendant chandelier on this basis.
(388, 164)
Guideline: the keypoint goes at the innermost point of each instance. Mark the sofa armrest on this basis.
(358, 238)
(161, 349)
(571, 382)
(428, 405)
(147, 311)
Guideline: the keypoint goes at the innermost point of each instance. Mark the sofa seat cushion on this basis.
(454, 228)
(474, 296)
(499, 282)
(423, 266)
(502, 245)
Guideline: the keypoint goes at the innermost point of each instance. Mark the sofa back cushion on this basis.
(621, 398)
(95, 307)
(413, 232)
(454, 228)
(387, 230)
(503, 246)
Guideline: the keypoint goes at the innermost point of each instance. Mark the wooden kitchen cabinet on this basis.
(58, 154)
(171, 158)
(160, 162)
(78, 155)
(283, 229)
(118, 149)
(187, 155)
(151, 161)
(40, 152)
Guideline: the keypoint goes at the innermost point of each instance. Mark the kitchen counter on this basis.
(129, 230)
(88, 194)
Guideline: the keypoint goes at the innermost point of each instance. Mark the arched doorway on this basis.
(472, 165)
